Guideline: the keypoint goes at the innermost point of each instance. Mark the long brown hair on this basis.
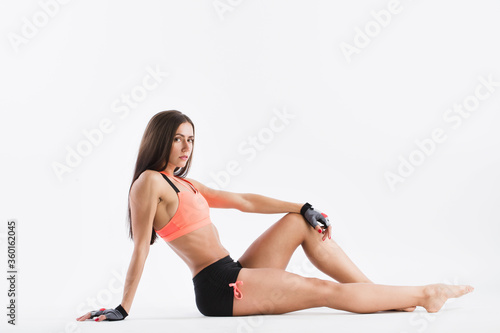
(154, 150)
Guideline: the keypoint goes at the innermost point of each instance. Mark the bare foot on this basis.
(435, 295)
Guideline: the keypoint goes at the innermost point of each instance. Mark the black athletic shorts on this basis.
(214, 296)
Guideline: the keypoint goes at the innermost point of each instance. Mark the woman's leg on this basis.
(274, 291)
(283, 238)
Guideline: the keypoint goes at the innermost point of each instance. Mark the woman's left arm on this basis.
(257, 203)
(245, 202)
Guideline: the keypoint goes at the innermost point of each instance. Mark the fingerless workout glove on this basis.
(118, 313)
(314, 217)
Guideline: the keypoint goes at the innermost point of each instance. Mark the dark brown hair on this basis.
(154, 150)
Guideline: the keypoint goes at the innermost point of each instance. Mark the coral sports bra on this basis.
(192, 213)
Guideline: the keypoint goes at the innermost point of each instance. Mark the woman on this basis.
(163, 202)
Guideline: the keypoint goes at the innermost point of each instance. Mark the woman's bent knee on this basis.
(294, 216)
(295, 219)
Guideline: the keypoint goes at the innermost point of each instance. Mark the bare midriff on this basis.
(199, 248)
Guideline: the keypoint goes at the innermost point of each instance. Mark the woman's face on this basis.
(182, 145)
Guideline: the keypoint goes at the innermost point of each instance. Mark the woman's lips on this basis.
(184, 158)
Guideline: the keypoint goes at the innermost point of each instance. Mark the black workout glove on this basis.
(117, 313)
(314, 217)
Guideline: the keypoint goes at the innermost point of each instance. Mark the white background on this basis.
(230, 71)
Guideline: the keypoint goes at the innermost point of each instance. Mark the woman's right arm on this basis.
(143, 200)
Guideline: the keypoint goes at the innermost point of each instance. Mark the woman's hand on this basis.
(118, 313)
(318, 220)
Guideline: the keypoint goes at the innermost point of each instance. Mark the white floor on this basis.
(471, 313)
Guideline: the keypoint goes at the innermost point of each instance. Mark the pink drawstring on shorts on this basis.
(237, 292)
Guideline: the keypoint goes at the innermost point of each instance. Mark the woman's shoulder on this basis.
(194, 182)
(205, 190)
(148, 179)
(149, 175)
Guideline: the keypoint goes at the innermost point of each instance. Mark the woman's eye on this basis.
(191, 140)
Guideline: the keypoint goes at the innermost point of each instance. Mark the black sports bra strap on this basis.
(168, 180)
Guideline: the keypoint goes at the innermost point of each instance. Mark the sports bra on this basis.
(192, 213)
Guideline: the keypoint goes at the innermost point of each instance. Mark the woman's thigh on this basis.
(275, 291)
(274, 248)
